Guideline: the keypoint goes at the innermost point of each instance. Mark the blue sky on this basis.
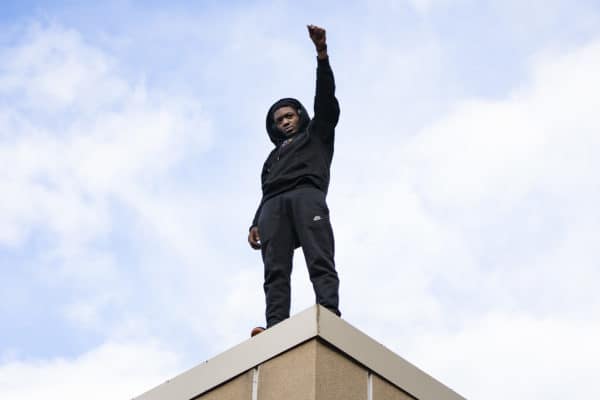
(464, 187)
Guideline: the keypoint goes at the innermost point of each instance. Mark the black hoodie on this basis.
(306, 159)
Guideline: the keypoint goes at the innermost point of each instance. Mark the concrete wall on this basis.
(291, 375)
(239, 388)
(310, 371)
(313, 355)
(338, 377)
(382, 390)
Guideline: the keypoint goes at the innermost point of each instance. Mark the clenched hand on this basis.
(319, 38)
(254, 238)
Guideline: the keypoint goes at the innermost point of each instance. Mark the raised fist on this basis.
(317, 35)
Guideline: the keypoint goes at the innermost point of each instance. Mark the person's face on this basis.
(287, 120)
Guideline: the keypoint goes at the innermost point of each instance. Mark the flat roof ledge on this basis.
(315, 322)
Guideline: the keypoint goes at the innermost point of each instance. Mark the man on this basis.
(295, 179)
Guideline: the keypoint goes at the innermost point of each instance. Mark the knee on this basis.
(277, 273)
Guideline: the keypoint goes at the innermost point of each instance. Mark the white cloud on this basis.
(483, 163)
(422, 6)
(510, 356)
(484, 223)
(540, 138)
(82, 135)
(52, 68)
(485, 218)
(112, 370)
(78, 142)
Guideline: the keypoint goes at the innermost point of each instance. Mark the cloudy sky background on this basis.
(464, 189)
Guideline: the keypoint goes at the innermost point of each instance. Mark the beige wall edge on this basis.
(380, 360)
(238, 359)
(313, 322)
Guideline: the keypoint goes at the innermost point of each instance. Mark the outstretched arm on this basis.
(327, 110)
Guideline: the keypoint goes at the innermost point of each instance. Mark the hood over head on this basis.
(277, 136)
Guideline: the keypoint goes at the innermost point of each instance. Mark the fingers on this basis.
(255, 244)
(316, 32)
(254, 239)
(255, 235)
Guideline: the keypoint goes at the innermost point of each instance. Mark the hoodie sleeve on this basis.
(327, 109)
(263, 177)
(256, 215)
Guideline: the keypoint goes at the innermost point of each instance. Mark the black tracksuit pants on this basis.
(299, 217)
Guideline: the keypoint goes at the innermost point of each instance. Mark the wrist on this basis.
(322, 52)
(322, 47)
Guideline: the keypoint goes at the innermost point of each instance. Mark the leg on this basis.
(277, 250)
(311, 220)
